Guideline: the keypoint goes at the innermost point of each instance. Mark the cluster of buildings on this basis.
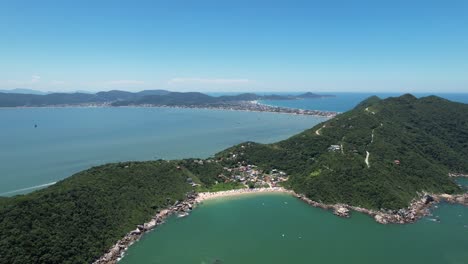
(252, 177)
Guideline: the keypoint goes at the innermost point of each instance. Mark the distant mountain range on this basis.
(26, 97)
(381, 155)
(23, 91)
(31, 91)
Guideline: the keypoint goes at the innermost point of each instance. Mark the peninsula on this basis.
(160, 98)
(391, 159)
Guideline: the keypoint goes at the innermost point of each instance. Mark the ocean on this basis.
(347, 101)
(264, 228)
(68, 140)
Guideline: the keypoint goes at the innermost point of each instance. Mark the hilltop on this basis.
(380, 155)
(123, 98)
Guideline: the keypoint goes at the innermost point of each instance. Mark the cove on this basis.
(278, 228)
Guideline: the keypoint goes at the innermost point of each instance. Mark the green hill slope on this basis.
(79, 218)
(412, 143)
(147, 97)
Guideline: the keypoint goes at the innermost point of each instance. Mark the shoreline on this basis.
(246, 106)
(239, 192)
(458, 175)
(419, 208)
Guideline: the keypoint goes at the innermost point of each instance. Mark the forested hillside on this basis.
(77, 219)
(411, 145)
(379, 155)
(147, 97)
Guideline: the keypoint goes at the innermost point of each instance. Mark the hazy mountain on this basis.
(23, 91)
(88, 212)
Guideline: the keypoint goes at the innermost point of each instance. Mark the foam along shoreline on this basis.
(28, 188)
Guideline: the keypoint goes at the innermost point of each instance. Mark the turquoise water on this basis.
(249, 230)
(68, 140)
(463, 182)
(346, 101)
(246, 229)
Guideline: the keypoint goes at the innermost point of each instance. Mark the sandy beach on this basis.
(213, 195)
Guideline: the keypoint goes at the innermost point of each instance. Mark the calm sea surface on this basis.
(263, 228)
(278, 229)
(346, 101)
(249, 230)
(68, 140)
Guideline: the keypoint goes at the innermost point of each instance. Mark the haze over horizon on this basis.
(209, 46)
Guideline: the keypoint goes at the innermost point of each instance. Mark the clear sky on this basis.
(197, 45)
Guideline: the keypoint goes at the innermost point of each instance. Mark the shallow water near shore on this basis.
(463, 182)
(278, 228)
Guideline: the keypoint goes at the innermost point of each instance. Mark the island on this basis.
(161, 98)
(391, 159)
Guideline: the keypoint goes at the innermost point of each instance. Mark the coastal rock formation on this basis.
(460, 198)
(417, 209)
(342, 211)
(461, 175)
(115, 253)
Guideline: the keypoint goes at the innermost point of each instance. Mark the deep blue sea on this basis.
(346, 101)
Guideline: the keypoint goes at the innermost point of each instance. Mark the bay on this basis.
(278, 228)
(68, 140)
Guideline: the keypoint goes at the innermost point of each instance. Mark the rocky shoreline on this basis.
(183, 208)
(416, 210)
(114, 254)
(458, 175)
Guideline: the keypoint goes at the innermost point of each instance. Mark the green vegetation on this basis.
(223, 186)
(428, 137)
(415, 144)
(123, 98)
(77, 219)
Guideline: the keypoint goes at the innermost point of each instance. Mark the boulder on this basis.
(461, 199)
(427, 199)
(136, 232)
(380, 219)
(342, 211)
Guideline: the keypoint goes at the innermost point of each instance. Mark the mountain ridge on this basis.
(146, 97)
(380, 155)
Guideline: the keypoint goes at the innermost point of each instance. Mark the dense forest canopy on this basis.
(412, 143)
(379, 155)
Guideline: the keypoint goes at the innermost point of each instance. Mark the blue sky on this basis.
(366, 46)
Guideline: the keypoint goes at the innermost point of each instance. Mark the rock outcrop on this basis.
(117, 251)
(416, 210)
